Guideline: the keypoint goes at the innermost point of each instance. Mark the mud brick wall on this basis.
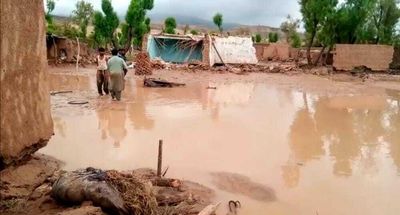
(26, 122)
(206, 50)
(277, 51)
(260, 50)
(376, 57)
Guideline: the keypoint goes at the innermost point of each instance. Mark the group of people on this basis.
(111, 72)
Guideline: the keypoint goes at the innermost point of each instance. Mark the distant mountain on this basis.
(189, 20)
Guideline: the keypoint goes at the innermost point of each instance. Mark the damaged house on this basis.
(63, 49)
(208, 50)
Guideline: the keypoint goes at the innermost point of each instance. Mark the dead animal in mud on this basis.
(78, 102)
(234, 206)
(138, 192)
(89, 184)
(113, 192)
(151, 82)
(236, 183)
(60, 92)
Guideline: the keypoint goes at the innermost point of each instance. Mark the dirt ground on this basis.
(82, 84)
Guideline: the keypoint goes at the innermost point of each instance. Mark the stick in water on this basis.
(159, 165)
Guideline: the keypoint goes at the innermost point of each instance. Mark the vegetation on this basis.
(186, 29)
(295, 40)
(137, 24)
(315, 13)
(105, 24)
(354, 21)
(169, 25)
(50, 5)
(218, 20)
(258, 38)
(273, 37)
(194, 32)
(289, 27)
(82, 16)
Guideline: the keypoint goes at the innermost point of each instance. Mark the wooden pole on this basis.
(159, 165)
(77, 58)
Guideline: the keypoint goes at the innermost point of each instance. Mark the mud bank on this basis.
(39, 186)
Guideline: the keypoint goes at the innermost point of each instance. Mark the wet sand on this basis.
(310, 144)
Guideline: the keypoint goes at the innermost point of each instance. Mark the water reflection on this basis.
(353, 128)
(315, 145)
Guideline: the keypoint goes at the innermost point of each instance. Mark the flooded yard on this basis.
(278, 146)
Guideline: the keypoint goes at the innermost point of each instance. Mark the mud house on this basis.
(209, 50)
(63, 49)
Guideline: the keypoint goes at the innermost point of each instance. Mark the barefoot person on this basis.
(117, 69)
(102, 74)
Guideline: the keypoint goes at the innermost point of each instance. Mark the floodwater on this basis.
(277, 151)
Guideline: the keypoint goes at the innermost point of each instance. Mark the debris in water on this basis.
(77, 102)
(151, 82)
(60, 92)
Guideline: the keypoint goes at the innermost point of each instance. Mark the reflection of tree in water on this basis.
(347, 131)
(336, 124)
(305, 141)
(393, 136)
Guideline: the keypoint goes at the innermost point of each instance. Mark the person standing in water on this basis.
(117, 69)
(102, 74)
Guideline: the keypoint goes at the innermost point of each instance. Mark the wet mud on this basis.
(278, 144)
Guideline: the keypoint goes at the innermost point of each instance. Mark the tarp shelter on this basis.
(175, 48)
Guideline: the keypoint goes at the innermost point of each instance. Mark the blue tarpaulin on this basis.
(175, 49)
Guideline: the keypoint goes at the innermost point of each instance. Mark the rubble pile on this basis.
(143, 65)
(285, 68)
(132, 192)
(158, 64)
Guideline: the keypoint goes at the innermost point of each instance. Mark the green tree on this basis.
(273, 37)
(50, 5)
(290, 27)
(350, 20)
(106, 25)
(258, 38)
(169, 25)
(194, 32)
(314, 16)
(186, 29)
(295, 40)
(218, 20)
(82, 15)
(385, 16)
(137, 24)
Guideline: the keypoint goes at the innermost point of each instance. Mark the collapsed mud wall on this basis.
(233, 50)
(26, 122)
(376, 57)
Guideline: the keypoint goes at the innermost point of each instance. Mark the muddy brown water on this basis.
(276, 150)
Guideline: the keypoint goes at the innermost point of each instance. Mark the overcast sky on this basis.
(253, 12)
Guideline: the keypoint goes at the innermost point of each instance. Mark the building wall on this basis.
(233, 50)
(376, 57)
(26, 122)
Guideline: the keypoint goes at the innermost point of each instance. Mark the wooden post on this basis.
(159, 165)
(77, 58)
